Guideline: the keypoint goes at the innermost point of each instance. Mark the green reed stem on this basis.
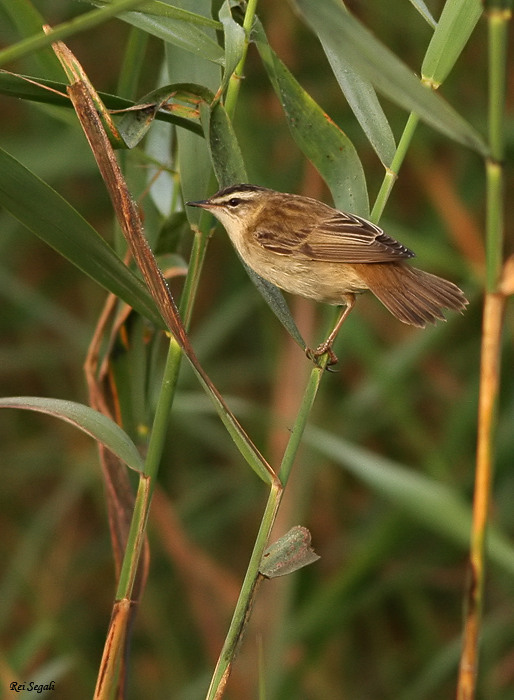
(169, 381)
(236, 78)
(490, 360)
(249, 586)
(147, 481)
(392, 172)
(498, 23)
(65, 29)
(246, 596)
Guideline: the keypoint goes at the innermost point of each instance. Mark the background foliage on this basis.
(380, 615)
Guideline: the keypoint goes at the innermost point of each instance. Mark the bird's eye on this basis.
(234, 202)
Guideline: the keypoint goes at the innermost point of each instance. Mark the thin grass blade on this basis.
(331, 152)
(91, 422)
(28, 20)
(458, 20)
(54, 93)
(176, 26)
(44, 212)
(234, 42)
(433, 504)
(228, 164)
(390, 76)
(362, 99)
(74, 26)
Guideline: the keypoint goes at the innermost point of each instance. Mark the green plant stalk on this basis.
(194, 268)
(135, 540)
(392, 172)
(494, 224)
(249, 587)
(65, 29)
(201, 238)
(498, 40)
(167, 394)
(298, 429)
(153, 458)
(246, 596)
(237, 76)
(490, 359)
(498, 24)
(394, 169)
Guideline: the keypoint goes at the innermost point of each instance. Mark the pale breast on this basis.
(314, 279)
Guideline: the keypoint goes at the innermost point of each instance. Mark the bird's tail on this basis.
(413, 296)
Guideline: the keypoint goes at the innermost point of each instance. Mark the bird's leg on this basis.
(326, 347)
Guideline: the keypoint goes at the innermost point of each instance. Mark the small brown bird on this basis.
(308, 248)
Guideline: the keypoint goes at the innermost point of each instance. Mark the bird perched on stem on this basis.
(308, 248)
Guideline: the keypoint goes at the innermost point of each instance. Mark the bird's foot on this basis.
(323, 349)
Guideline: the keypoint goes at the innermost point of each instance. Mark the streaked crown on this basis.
(235, 197)
(237, 205)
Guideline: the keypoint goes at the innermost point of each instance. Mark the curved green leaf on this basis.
(162, 9)
(457, 22)
(27, 21)
(227, 159)
(44, 212)
(234, 42)
(364, 103)
(375, 62)
(14, 85)
(321, 140)
(229, 168)
(433, 504)
(176, 26)
(95, 424)
(61, 31)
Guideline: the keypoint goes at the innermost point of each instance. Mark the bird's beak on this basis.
(202, 204)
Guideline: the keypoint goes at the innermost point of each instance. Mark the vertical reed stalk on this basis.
(494, 304)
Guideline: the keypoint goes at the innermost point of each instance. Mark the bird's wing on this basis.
(339, 237)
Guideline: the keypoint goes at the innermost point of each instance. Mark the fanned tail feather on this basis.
(413, 296)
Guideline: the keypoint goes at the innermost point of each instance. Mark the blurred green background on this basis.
(380, 615)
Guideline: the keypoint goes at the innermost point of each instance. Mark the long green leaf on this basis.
(162, 9)
(433, 504)
(234, 42)
(228, 164)
(364, 103)
(176, 26)
(392, 78)
(44, 212)
(227, 159)
(321, 140)
(27, 21)
(34, 89)
(95, 424)
(61, 31)
(457, 22)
